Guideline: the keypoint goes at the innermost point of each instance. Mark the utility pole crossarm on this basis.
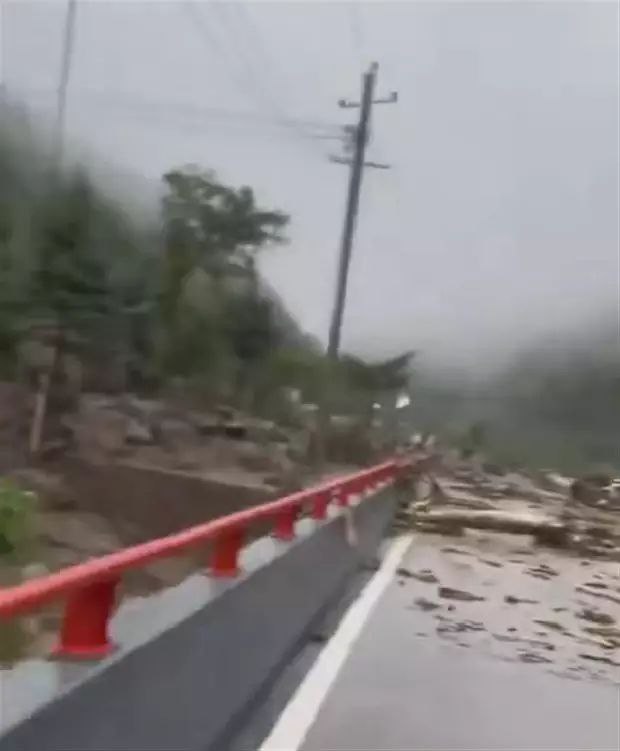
(391, 99)
(345, 160)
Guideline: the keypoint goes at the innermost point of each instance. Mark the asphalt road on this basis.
(399, 691)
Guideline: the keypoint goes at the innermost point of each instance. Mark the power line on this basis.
(246, 21)
(316, 129)
(241, 67)
(248, 65)
(243, 20)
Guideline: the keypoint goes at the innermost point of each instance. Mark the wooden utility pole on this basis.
(355, 145)
(63, 82)
(360, 135)
(47, 374)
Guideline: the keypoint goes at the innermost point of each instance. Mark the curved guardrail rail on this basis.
(89, 589)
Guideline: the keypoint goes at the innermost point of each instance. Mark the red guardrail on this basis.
(89, 589)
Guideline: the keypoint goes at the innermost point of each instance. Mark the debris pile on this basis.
(530, 574)
(587, 523)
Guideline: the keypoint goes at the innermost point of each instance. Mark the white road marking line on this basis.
(291, 729)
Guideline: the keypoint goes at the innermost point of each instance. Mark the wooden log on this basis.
(546, 530)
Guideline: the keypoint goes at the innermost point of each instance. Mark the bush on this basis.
(16, 517)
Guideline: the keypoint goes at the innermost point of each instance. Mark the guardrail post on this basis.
(319, 507)
(342, 496)
(225, 561)
(285, 524)
(84, 632)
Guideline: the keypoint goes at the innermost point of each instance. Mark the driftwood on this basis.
(545, 529)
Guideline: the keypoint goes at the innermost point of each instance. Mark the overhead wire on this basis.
(239, 65)
(238, 14)
(237, 19)
(191, 113)
(359, 40)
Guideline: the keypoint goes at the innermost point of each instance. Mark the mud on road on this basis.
(502, 596)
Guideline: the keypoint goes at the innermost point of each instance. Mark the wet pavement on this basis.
(504, 597)
(482, 643)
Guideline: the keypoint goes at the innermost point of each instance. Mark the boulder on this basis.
(236, 430)
(174, 432)
(138, 433)
(98, 433)
(586, 491)
(78, 531)
(265, 431)
(255, 458)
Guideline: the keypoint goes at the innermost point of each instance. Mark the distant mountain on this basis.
(558, 402)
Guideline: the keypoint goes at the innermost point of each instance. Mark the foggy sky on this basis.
(498, 221)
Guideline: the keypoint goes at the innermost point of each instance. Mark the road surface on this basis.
(384, 682)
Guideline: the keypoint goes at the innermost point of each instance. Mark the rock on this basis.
(512, 600)
(545, 569)
(542, 571)
(84, 532)
(266, 431)
(426, 605)
(533, 657)
(596, 585)
(235, 430)
(599, 595)
(586, 491)
(460, 627)
(551, 625)
(553, 481)
(256, 458)
(138, 433)
(456, 551)
(98, 432)
(449, 593)
(225, 413)
(596, 616)
(600, 658)
(174, 433)
(611, 633)
(424, 575)
(207, 426)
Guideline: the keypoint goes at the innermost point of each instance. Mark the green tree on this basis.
(212, 308)
(211, 226)
(69, 283)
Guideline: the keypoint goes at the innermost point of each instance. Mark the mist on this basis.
(497, 225)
